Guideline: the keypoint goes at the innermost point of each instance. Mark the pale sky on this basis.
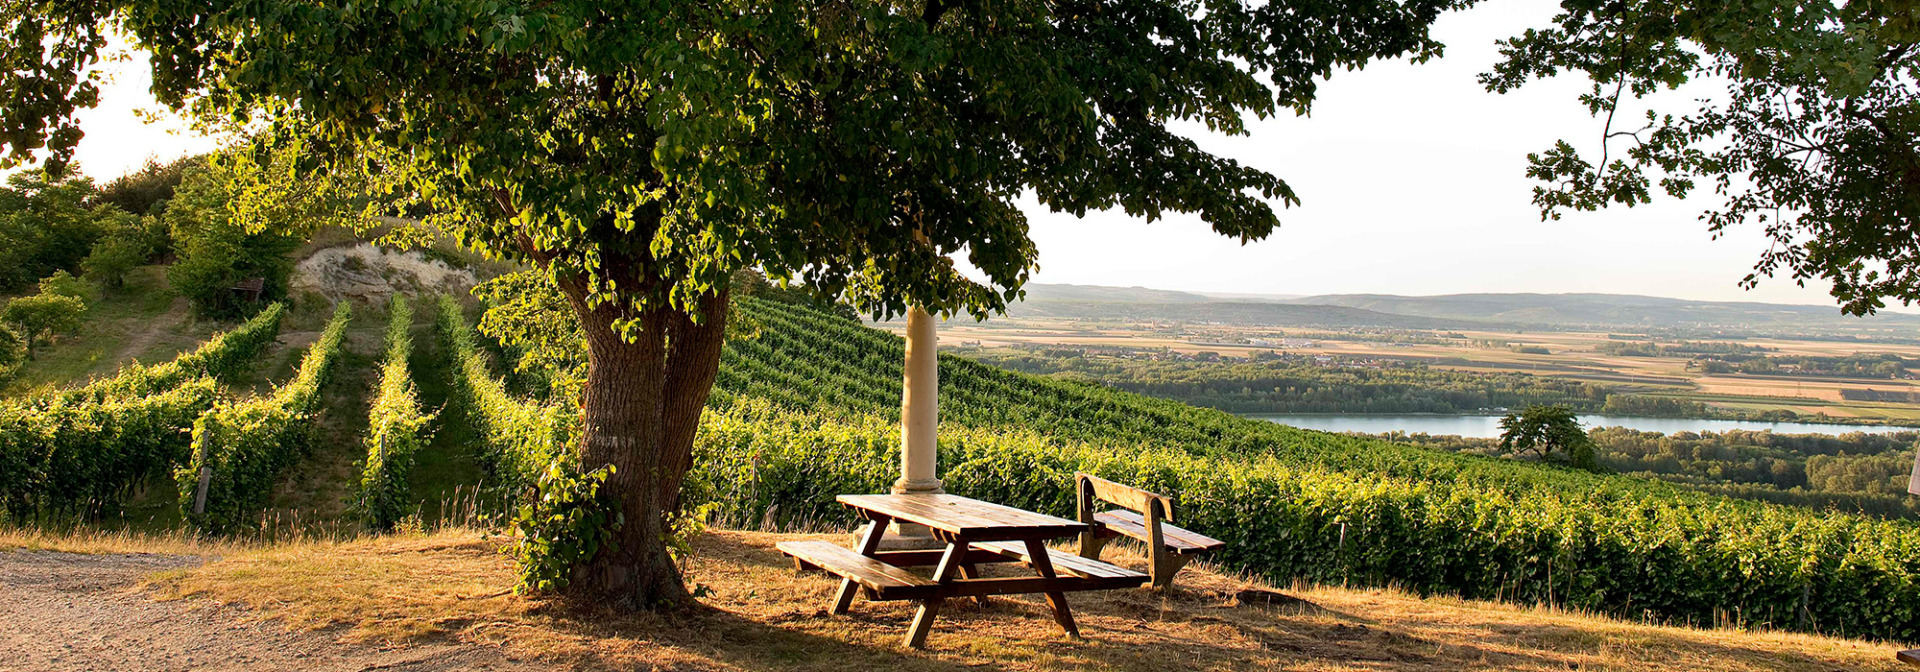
(1412, 180)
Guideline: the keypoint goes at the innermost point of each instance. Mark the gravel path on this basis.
(68, 611)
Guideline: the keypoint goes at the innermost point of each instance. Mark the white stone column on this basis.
(920, 407)
(919, 415)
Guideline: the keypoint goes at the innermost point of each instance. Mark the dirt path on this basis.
(67, 611)
(145, 337)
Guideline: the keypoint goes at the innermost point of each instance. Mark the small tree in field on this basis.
(638, 153)
(40, 317)
(1548, 434)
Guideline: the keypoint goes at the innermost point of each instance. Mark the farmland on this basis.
(1568, 355)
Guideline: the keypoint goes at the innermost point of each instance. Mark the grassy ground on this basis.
(761, 615)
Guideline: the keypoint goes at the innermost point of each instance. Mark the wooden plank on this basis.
(884, 581)
(930, 557)
(1909, 656)
(1125, 495)
(1067, 562)
(1179, 540)
(964, 518)
(1019, 585)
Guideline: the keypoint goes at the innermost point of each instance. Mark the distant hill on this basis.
(1607, 309)
(1230, 312)
(1039, 292)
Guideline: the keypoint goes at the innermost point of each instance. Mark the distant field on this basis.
(1574, 355)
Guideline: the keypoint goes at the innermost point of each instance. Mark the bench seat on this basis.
(879, 580)
(1178, 540)
(1103, 574)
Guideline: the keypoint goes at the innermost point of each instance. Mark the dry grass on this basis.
(94, 541)
(762, 615)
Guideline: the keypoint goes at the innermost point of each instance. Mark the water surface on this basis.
(1488, 426)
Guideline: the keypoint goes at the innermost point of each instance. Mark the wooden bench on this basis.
(879, 580)
(1146, 516)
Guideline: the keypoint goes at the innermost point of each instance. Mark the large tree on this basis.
(640, 152)
(1815, 136)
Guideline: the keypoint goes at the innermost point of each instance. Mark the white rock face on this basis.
(366, 271)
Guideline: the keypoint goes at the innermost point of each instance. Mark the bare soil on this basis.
(75, 611)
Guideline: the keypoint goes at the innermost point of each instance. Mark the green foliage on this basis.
(396, 429)
(1815, 136)
(564, 525)
(83, 456)
(1548, 434)
(127, 243)
(46, 226)
(40, 317)
(62, 283)
(13, 353)
(527, 314)
(1300, 384)
(521, 439)
(808, 409)
(223, 358)
(243, 446)
(142, 191)
(218, 248)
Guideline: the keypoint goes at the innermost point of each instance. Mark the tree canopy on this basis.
(1814, 137)
(639, 153)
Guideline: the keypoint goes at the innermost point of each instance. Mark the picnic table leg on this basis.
(929, 608)
(972, 571)
(1043, 564)
(869, 544)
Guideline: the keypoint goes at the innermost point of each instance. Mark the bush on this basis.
(126, 244)
(240, 448)
(521, 440)
(216, 250)
(40, 317)
(139, 192)
(222, 357)
(79, 458)
(396, 429)
(45, 226)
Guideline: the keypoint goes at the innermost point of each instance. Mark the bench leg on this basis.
(923, 622)
(843, 600)
(971, 571)
(1164, 566)
(869, 544)
(1043, 564)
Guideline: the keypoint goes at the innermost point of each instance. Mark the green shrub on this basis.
(396, 429)
(222, 358)
(83, 457)
(565, 526)
(521, 439)
(217, 250)
(40, 317)
(243, 446)
(46, 225)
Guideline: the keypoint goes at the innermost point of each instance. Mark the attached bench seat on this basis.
(879, 580)
(1177, 540)
(1102, 574)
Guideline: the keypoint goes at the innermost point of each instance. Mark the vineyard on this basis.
(805, 407)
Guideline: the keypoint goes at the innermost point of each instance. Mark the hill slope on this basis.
(1606, 309)
(807, 409)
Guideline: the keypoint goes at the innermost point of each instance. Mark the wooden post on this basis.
(1083, 496)
(1156, 547)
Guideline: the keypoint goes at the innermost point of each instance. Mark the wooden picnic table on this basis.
(975, 532)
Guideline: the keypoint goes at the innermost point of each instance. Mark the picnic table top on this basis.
(965, 518)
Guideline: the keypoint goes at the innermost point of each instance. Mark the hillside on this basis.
(1608, 310)
(1219, 311)
(807, 409)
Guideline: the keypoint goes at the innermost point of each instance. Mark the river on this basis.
(1488, 426)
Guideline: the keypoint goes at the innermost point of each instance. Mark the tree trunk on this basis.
(641, 408)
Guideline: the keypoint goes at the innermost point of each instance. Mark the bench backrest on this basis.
(1092, 487)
